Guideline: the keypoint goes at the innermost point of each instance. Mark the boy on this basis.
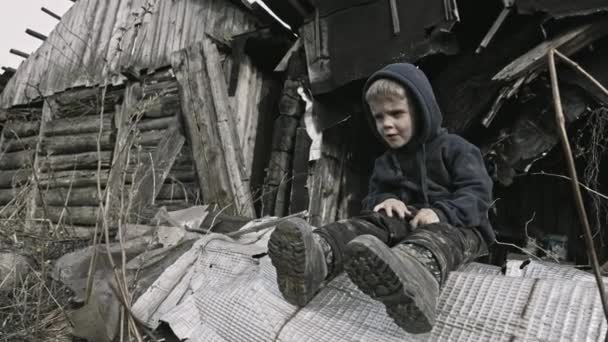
(429, 196)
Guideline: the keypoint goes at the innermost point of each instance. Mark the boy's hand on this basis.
(424, 216)
(391, 206)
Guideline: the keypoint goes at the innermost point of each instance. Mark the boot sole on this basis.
(287, 251)
(371, 266)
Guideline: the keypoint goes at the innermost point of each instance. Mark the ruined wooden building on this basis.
(142, 104)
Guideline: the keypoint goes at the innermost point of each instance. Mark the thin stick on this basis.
(559, 117)
(51, 295)
(395, 16)
(581, 70)
(595, 192)
(270, 223)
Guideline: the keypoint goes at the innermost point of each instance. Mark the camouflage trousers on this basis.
(440, 247)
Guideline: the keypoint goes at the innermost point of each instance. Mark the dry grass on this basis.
(33, 308)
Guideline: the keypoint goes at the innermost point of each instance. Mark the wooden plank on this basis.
(75, 197)
(78, 161)
(561, 9)
(246, 103)
(12, 145)
(319, 68)
(14, 178)
(324, 191)
(87, 142)
(78, 125)
(7, 195)
(284, 133)
(299, 192)
(47, 115)
(156, 124)
(21, 129)
(291, 103)
(176, 191)
(16, 160)
(83, 178)
(211, 128)
(567, 43)
(277, 174)
(326, 175)
(73, 178)
(120, 155)
(155, 171)
(82, 216)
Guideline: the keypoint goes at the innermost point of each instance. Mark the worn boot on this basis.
(396, 277)
(300, 259)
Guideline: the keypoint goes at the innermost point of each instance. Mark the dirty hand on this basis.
(424, 216)
(393, 205)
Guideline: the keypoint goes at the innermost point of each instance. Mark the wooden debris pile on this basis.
(256, 120)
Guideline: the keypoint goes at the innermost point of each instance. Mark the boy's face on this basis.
(394, 118)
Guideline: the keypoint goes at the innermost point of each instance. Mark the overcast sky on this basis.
(19, 15)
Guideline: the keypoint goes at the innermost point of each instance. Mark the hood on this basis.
(429, 116)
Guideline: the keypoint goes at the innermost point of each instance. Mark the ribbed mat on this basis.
(477, 307)
(218, 292)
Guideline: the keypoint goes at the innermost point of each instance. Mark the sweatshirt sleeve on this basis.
(471, 196)
(381, 185)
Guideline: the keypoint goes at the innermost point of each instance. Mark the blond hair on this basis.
(384, 87)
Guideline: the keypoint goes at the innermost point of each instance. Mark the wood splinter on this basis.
(35, 34)
(19, 53)
(51, 13)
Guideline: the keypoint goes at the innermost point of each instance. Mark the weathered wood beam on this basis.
(19, 53)
(277, 174)
(14, 178)
(77, 197)
(120, 154)
(87, 196)
(84, 216)
(324, 191)
(21, 129)
(35, 34)
(73, 178)
(164, 106)
(78, 161)
(211, 128)
(325, 177)
(568, 43)
(16, 160)
(156, 124)
(155, 171)
(51, 13)
(284, 135)
(79, 125)
(83, 178)
(395, 17)
(176, 191)
(299, 192)
(64, 144)
(46, 117)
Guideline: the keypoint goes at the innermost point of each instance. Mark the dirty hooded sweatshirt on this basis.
(435, 170)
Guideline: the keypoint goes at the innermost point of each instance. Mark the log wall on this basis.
(96, 40)
(69, 167)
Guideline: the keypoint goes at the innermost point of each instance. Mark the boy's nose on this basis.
(387, 123)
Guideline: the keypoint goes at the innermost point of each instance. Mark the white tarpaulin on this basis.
(225, 290)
